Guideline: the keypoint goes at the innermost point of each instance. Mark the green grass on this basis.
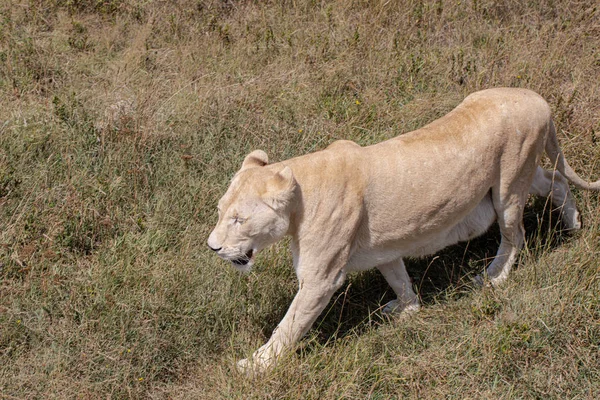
(122, 122)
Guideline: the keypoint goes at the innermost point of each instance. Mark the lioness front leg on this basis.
(312, 297)
(397, 277)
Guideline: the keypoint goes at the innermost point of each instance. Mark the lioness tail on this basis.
(558, 159)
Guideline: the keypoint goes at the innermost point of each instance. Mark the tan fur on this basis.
(350, 208)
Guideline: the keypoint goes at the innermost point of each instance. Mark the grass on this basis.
(122, 122)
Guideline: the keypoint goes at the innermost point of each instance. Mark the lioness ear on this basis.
(280, 188)
(257, 158)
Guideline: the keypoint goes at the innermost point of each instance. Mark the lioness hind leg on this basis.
(509, 209)
(395, 274)
(552, 183)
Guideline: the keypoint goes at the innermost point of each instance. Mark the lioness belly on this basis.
(474, 224)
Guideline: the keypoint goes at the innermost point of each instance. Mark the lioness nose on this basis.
(213, 249)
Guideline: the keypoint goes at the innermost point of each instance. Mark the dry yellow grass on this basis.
(122, 122)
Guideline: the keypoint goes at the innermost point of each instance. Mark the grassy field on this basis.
(122, 121)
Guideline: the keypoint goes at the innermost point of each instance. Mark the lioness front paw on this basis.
(479, 281)
(487, 281)
(249, 366)
(395, 308)
(260, 361)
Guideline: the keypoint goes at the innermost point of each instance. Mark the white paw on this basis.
(571, 218)
(244, 366)
(394, 308)
(390, 308)
(261, 360)
(251, 366)
(480, 281)
(575, 223)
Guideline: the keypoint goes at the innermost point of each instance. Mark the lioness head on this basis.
(254, 212)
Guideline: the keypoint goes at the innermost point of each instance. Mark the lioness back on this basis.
(443, 170)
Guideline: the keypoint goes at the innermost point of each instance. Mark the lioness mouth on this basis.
(245, 259)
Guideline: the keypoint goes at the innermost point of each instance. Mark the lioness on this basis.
(350, 208)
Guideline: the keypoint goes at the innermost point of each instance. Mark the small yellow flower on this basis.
(357, 102)
(140, 379)
(129, 350)
(518, 76)
(18, 322)
(300, 130)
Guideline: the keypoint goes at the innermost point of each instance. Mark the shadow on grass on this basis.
(444, 276)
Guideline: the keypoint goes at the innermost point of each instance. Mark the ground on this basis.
(122, 122)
